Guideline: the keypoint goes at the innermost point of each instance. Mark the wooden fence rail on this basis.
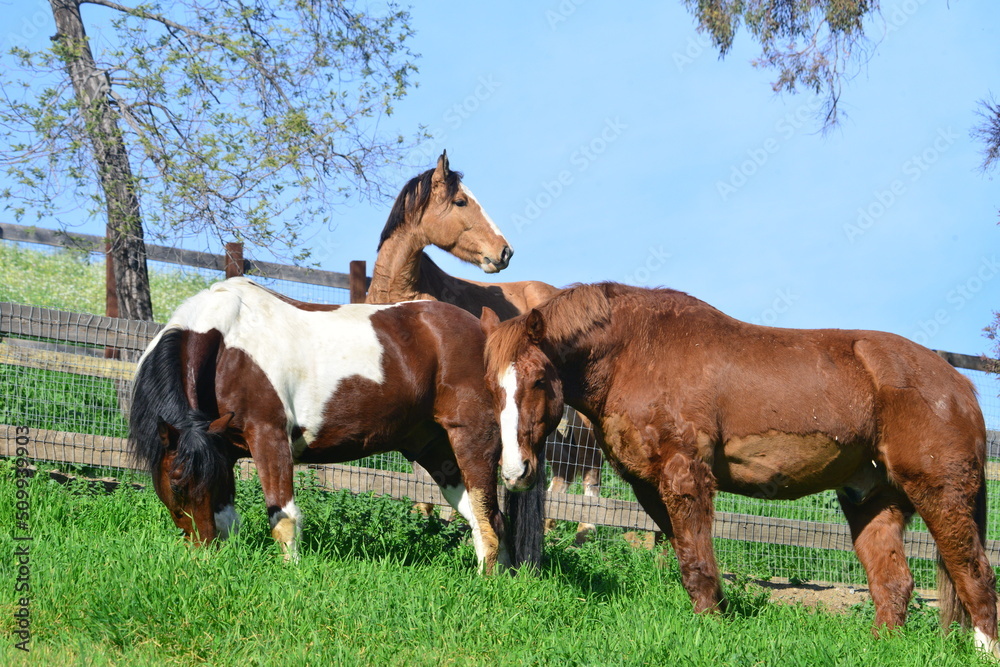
(21, 325)
(195, 258)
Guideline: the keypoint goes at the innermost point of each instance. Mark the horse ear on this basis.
(222, 423)
(168, 434)
(535, 325)
(488, 321)
(442, 170)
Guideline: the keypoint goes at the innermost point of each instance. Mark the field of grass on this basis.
(112, 583)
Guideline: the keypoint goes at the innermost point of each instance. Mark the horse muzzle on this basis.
(522, 481)
(491, 265)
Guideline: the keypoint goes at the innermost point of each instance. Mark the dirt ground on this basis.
(835, 598)
(831, 597)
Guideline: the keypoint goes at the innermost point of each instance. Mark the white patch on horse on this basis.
(304, 354)
(227, 521)
(983, 642)
(511, 461)
(292, 513)
(458, 497)
(493, 226)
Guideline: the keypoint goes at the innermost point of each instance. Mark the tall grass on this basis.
(112, 583)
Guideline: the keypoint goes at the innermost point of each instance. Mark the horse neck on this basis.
(396, 274)
(585, 369)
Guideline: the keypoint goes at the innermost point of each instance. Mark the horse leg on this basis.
(587, 459)
(688, 488)
(469, 485)
(682, 507)
(877, 531)
(422, 475)
(950, 508)
(273, 457)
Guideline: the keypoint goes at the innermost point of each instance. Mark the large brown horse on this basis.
(240, 371)
(436, 208)
(686, 400)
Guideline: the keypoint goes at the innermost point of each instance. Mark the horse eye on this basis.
(460, 202)
(540, 384)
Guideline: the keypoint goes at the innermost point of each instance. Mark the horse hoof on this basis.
(584, 532)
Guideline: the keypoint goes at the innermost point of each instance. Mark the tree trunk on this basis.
(125, 237)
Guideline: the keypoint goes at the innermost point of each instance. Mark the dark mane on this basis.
(567, 314)
(158, 395)
(414, 197)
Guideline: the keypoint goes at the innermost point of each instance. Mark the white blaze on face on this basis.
(493, 226)
(511, 461)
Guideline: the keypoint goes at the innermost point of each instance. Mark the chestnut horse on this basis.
(686, 400)
(240, 371)
(436, 208)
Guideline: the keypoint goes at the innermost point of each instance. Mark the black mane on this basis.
(414, 197)
(158, 395)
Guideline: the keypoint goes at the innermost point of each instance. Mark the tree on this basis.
(988, 131)
(812, 44)
(235, 118)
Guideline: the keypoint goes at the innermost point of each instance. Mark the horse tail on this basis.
(952, 609)
(526, 515)
(159, 401)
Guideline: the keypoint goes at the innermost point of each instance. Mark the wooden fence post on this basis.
(234, 260)
(359, 288)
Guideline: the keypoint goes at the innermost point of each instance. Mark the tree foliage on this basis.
(988, 133)
(811, 44)
(242, 118)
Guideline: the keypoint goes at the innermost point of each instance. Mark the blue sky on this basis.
(615, 145)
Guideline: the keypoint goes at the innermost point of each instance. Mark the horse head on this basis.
(194, 479)
(527, 393)
(454, 221)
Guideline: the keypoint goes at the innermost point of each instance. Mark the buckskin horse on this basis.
(686, 400)
(436, 208)
(240, 371)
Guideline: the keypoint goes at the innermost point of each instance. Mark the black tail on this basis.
(158, 397)
(526, 516)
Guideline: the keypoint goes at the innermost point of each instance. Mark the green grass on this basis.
(70, 280)
(377, 585)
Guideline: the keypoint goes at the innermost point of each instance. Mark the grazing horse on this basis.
(436, 208)
(240, 371)
(686, 400)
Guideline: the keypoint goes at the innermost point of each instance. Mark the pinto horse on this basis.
(240, 371)
(686, 400)
(436, 208)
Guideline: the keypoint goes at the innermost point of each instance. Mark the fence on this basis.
(59, 384)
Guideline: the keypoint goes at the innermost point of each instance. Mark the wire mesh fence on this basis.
(66, 377)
